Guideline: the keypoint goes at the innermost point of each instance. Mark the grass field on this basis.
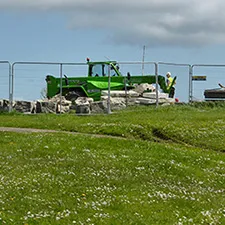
(147, 166)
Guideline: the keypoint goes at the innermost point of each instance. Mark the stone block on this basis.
(122, 93)
(153, 95)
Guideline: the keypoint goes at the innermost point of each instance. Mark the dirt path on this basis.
(26, 130)
(34, 130)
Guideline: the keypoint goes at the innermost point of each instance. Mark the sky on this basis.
(173, 31)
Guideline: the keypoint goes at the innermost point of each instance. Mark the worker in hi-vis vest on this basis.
(170, 84)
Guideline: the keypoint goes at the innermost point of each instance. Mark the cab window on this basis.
(101, 70)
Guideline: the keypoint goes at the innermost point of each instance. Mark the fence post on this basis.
(9, 74)
(157, 84)
(190, 99)
(108, 100)
(61, 69)
(125, 88)
(10, 87)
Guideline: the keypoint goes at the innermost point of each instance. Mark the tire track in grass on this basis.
(160, 136)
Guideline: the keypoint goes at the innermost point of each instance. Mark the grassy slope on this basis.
(180, 124)
(58, 179)
(75, 179)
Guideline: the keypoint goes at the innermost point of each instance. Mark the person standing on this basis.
(170, 82)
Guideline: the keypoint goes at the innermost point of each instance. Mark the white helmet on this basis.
(168, 73)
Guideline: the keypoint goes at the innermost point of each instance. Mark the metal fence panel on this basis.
(137, 68)
(28, 78)
(5, 75)
(140, 69)
(214, 75)
(181, 71)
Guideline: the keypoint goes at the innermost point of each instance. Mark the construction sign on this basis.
(201, 78)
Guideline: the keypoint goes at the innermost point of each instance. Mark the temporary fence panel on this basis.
(74, 69)
(28, 78)
(137, 68)
(5, 80)
(140, 69)
(181, 71)
(204, 77)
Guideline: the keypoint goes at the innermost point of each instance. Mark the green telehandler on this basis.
(97, 80)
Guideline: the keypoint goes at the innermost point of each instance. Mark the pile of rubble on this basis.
(39, 106)
(142, 94)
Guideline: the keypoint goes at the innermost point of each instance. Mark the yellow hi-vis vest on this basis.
(171, 81)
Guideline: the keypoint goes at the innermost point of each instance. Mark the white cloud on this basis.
(150, 22)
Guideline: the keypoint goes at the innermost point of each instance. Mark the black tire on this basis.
(73, 95)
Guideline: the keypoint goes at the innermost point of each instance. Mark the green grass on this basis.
(200, 127)
(168, 169)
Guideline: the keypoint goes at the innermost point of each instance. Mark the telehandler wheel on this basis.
(73, 95)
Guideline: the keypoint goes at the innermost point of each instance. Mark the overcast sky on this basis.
(173, 31)
(151, 22)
